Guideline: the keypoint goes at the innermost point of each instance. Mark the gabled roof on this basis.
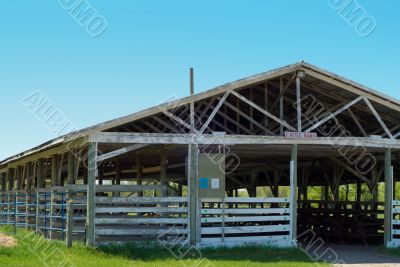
(311, 70)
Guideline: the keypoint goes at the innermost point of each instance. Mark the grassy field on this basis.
(32, 250)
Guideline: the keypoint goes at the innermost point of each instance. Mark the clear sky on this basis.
(144, 54)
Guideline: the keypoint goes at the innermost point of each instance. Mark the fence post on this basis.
(37, 211)
(51, 213)
(62, 215)
(27, 210)
(15, 212)
(70, 222)
(8, 207)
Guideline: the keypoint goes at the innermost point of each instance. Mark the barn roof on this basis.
(313, 72)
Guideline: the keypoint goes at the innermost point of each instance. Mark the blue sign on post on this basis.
(203, 183)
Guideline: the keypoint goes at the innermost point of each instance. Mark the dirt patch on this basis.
(7, 241)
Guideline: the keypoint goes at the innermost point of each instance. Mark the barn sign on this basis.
(300, 135)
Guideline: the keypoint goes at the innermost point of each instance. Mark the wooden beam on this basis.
(249, 118)
(298, 105)
(214, 112)
(334, 114)
(149, 138)
(293, 193)
(282, 91)
(388, 196)
(266, 101)
(193, 194)
(91, 192)
(54, 170)
(163, 172)
(355, 119)
(383, 125)
(266, 113)
(280, 99)
(139, 173)
(120, 151)
(40, 175)
(70, 168)
(352, 171)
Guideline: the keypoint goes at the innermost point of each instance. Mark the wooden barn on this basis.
(267, 159)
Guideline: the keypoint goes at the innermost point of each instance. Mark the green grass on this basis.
(32, 250)
(395, 252)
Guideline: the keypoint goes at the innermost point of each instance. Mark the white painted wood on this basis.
(334, 114)
(140, 210)
(247, 239)
(247, 200)
(245, 211)
(208, 139)
(245, 229)
(378, 117)
(126, 188)
(135, 221)
(245, 219)
(142, 232)
(266, 113)
(140, 200)
(214, 112)
(119, 152)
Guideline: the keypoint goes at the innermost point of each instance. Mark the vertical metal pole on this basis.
(293, 192)
(388, 196)
(91, 194)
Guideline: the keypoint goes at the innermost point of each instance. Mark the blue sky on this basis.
(144, 55)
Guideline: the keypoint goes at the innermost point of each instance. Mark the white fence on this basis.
(233, 221)
(395, 225)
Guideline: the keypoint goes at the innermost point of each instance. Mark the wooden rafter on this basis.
(244, 99)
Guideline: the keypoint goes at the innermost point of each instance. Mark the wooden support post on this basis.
(28, 175)
(266, 103)
(71, 168)
(298, 104)
(100, 173)
(18, 175)
(40, 175)
(54, 169)
(388, 196)
(91, 194)
(276, 184)
(374, 189)
(70, 221)
(139, 173)
(358, 196)
(10, 177)
(253, 184)
(194, 201)
(293, 193)
(281, 105)
(3, 181)
(117, 176)
(322, 197)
